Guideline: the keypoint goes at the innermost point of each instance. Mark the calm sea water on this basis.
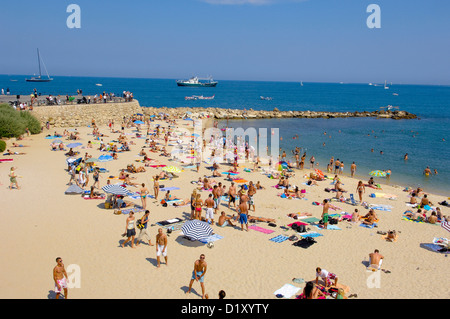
(351, 138)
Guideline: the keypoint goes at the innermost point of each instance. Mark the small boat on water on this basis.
(99, 84)
(267, 98)
(40, 78)
(195, 82)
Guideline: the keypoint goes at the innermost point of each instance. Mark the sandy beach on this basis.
(40, 223)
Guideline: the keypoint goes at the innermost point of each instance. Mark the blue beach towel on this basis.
(368, 226)
(310, 234)
(279, 239)
(211, 238)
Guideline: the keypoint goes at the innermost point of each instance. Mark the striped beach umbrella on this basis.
(172, 169)
(196, 229)
(116, 190)
(377, 173)
(446, 226)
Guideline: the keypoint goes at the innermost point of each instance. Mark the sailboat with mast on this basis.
(40, 78)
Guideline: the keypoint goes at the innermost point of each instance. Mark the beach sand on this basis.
(40, 223)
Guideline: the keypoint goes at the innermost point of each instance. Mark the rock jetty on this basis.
(82, 114)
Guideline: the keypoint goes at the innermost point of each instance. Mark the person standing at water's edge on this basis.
(60, 278)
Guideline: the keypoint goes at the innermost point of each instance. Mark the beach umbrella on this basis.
(217, 159)
(188, 119)
(377, 173)
(138, 122)
(56, 141)
(172, 169)
(446, 226)
(73, 145)
(116, 190)
(91, 160)
(319, 173)
(196, 229)
(195, 135)
(139, 114)
(282, 165)
(105, 158)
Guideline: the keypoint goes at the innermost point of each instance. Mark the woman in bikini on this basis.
(193, 198)
(144, 193)
(156, 186)
(360, 189)
(198, 207)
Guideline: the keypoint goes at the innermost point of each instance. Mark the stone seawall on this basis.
(78, 115)
(82, 114)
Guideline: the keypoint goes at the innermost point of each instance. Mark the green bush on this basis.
(2, 146)
(14, 123)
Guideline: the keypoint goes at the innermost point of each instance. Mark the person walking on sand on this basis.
(161, 246)
(198, 274)
(13, 178)
(143, 231)
(60, 278)
(144, 193)
(326, 206)
(130, 231)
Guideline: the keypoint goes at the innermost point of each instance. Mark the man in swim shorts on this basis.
(161, 246)
(326, 277)
(243, 212)
(198, 274)
(210, 204)
(224, 220)
(325, 213)
(60, 278)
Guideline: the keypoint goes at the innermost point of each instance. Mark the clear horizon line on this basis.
(287, 81)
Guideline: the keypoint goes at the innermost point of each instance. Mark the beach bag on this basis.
(139, 224)
(163, 203)
(333, 221)
(327, 190)
(272, 225)
(303, 191)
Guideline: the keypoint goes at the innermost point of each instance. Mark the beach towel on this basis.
(134, 210)
(330, 227)
(165, 189)
(261, 230)
(169, 221)
(412, 220)
(279, 239)
(368, 226)
(211, 238)
(387, 208)
(310, 234)
(287, 291)
(310, 220)
(298, 223)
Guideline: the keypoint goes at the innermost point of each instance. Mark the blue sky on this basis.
(282, 40)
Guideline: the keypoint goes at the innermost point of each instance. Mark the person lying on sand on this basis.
(18, 145)
(8, 152)
(417, 216)
(260, 219)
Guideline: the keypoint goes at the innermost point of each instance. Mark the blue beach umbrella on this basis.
(73, 145)
(105, 158)
(138, 122)
(57, 141)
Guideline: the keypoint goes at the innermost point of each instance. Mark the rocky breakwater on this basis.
(223, 114)
(78, 115)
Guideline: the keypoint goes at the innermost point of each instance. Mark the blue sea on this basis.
(349, 139)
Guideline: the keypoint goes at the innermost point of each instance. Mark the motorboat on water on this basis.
(195, 82)
(267, 98)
